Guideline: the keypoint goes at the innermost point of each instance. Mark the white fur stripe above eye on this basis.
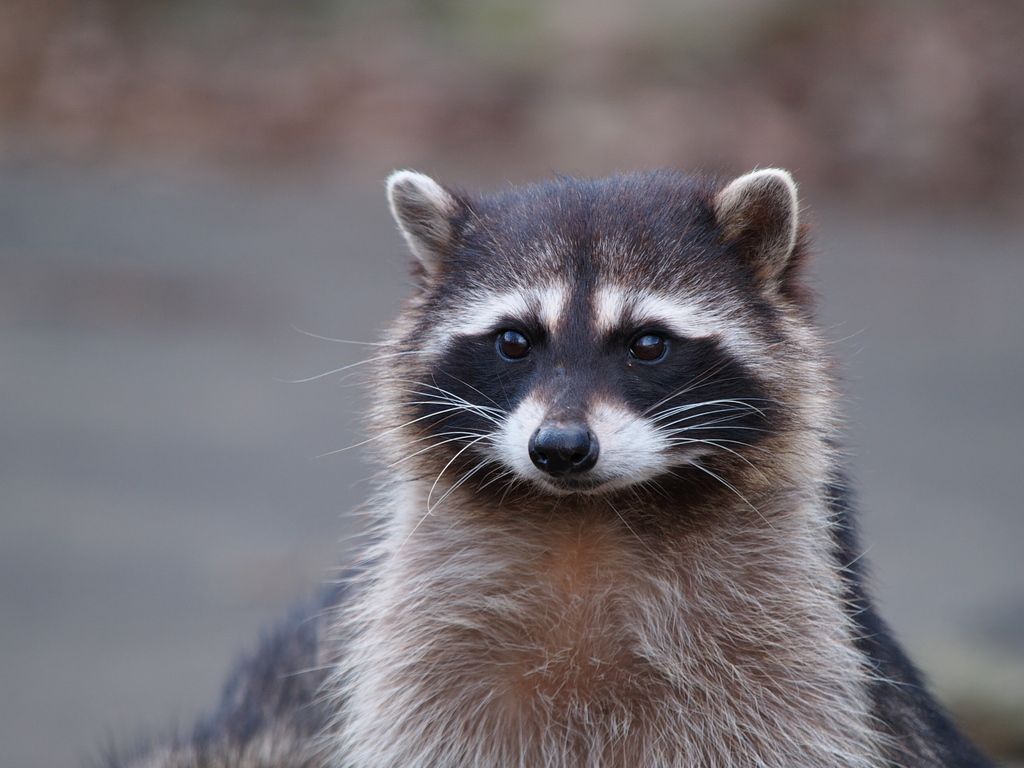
(483, 313)
(615, 306)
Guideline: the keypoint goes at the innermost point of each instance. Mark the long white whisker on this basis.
(712, 425)
(450, 397)
(498, 475)
(483, 411)
(745, 404)
(458, 436)
(430, 493)
(430, 507)
(447, 393)
(696, 383)
(392, 430)
(728, 414)
(719, 444)
(672, 429)
(459, 483)
(340, 341)
(355, 365)
(732, 488)
(467, 384)
(714, 441)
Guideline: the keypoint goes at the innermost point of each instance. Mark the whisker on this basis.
(340, 341)
(730, 414)
(710, 424)
(716, 441)
(467, 384)
(355, 365)
(718, 444)
(696, 383)
(732, 488)
(499, 473)
(449, 394)
(485, 411)
(746, 404)
(456, 438)
(391, 430)
(459, 483)
(430, 493)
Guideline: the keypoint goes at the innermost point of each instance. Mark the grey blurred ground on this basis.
(164, 492)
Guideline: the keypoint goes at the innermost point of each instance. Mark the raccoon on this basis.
(613, 528)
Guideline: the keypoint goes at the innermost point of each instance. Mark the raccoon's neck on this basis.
(490, 640)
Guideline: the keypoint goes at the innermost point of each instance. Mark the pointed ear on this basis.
(424, 211)
(758, 212)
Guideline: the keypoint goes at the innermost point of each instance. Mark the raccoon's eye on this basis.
(649, 347)
(512, 345)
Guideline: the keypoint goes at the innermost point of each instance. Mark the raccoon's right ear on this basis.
(425, 212)
(758, 213)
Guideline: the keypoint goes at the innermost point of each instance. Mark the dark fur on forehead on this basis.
(656, 229)
(569, 220)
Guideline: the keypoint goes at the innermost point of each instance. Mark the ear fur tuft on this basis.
(759, 212)
(423, 210)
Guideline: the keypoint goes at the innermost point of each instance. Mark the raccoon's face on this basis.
(586, 337)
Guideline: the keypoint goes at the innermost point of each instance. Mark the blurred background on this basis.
(191, 212)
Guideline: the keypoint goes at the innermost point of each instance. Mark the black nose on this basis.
(563, 449)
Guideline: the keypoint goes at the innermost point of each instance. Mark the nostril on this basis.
(561, 450)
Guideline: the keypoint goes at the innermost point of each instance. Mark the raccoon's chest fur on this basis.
(586, 645)
(568, 640)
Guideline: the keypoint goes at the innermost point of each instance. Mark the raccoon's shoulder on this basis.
(271, 709)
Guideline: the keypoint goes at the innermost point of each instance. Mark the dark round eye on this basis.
(649, 347)
(512, 345)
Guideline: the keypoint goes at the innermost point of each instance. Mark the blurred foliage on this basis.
(902, 102)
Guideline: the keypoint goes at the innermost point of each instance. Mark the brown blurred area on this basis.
(899, 103)
(186, 186)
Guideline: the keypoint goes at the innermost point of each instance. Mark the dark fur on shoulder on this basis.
(271, 710)
(921, 733)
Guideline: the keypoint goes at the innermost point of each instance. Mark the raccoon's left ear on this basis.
(425, 212)
(758, 213)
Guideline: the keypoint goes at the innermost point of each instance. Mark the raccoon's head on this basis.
(581, 337)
